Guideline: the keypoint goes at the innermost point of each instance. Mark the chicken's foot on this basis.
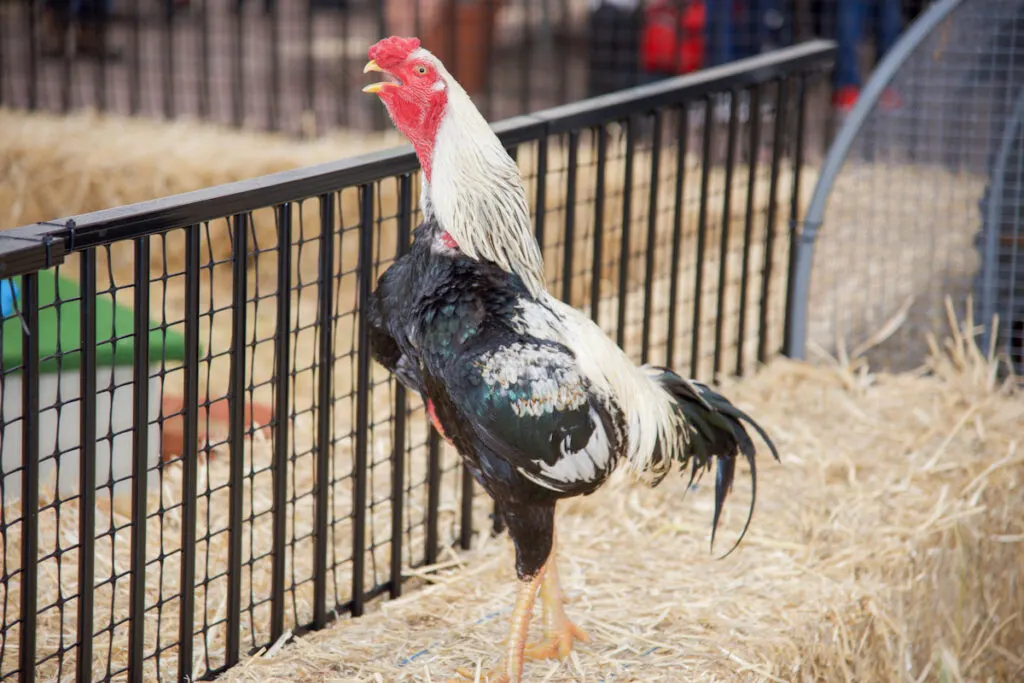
(560, 634)
(512, 671)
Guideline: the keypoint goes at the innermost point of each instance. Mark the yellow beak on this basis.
(374, 87)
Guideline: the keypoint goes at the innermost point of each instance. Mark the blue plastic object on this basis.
(8, 292)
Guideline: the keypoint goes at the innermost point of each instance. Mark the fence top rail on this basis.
(42, 245)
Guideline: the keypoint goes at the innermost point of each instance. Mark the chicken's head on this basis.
(417, 94)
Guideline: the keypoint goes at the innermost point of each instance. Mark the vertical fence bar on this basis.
(189, 456)
(563, 60)
(769, 248)
(569, 241)
(236, 433)
(168, 60)
(87, 467)
(65, 74)
(627, 196)
(682, 145)
(451, 34)
(237, 66)
(379, 118)
(101, 59)
(433, 495)
(466, 514)
(341, 87)
(364, 394)
(33, 60)
(29, 478)
(274, 91)
(748, 220)
(490, 11)
(723, 249)
(140, 463)
(204, 61)
(282, 348)
(324, 407)
(401, 406)
(542, 174)
(524, 61)
(597, 266)
(135, 69)
(794, 212)
(652, 233)
(702, 233)
(310, 69)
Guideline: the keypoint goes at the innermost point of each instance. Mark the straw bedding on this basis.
(887, 546)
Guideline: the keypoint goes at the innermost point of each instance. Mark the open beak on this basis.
(375, 87)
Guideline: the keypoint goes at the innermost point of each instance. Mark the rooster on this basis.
(539, 402)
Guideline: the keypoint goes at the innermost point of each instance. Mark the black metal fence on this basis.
(200, 458)
(296, 66)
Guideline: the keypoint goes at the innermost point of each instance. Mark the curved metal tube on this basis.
(992, 217)
(836, 157)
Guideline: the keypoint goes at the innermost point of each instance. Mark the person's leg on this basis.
(720, 29)
(888, 25)
(849, 29)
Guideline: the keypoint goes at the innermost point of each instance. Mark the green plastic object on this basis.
(59, 326)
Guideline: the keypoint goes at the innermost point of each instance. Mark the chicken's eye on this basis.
(420, 69)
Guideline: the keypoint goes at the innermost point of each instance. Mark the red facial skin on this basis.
(417, 104)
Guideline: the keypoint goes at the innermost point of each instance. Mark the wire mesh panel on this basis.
(200, 458)
(926, 204)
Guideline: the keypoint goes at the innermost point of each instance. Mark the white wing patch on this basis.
(553, 380)
(584, 465)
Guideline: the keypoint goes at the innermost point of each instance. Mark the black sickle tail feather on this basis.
(716, 431)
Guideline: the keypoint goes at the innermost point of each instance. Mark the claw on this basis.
(558, 644)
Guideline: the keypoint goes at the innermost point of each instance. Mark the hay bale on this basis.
(887, 546)
(54, 166)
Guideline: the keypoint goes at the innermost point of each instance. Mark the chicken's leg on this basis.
(526, 594)
(560, 633)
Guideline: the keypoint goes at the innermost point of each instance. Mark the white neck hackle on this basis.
(476, 192)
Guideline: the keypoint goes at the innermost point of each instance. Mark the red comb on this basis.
(392, 51)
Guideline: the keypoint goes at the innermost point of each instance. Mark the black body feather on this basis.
(529, 426)
(525, 421)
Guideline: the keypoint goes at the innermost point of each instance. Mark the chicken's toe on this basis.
(558, 643)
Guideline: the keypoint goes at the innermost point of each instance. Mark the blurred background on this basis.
(295, 65)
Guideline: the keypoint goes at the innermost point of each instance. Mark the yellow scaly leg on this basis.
(560, 633)
(526, 595)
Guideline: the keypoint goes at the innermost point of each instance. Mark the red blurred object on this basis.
(213, 423)
(845, 97)
(673, 43)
